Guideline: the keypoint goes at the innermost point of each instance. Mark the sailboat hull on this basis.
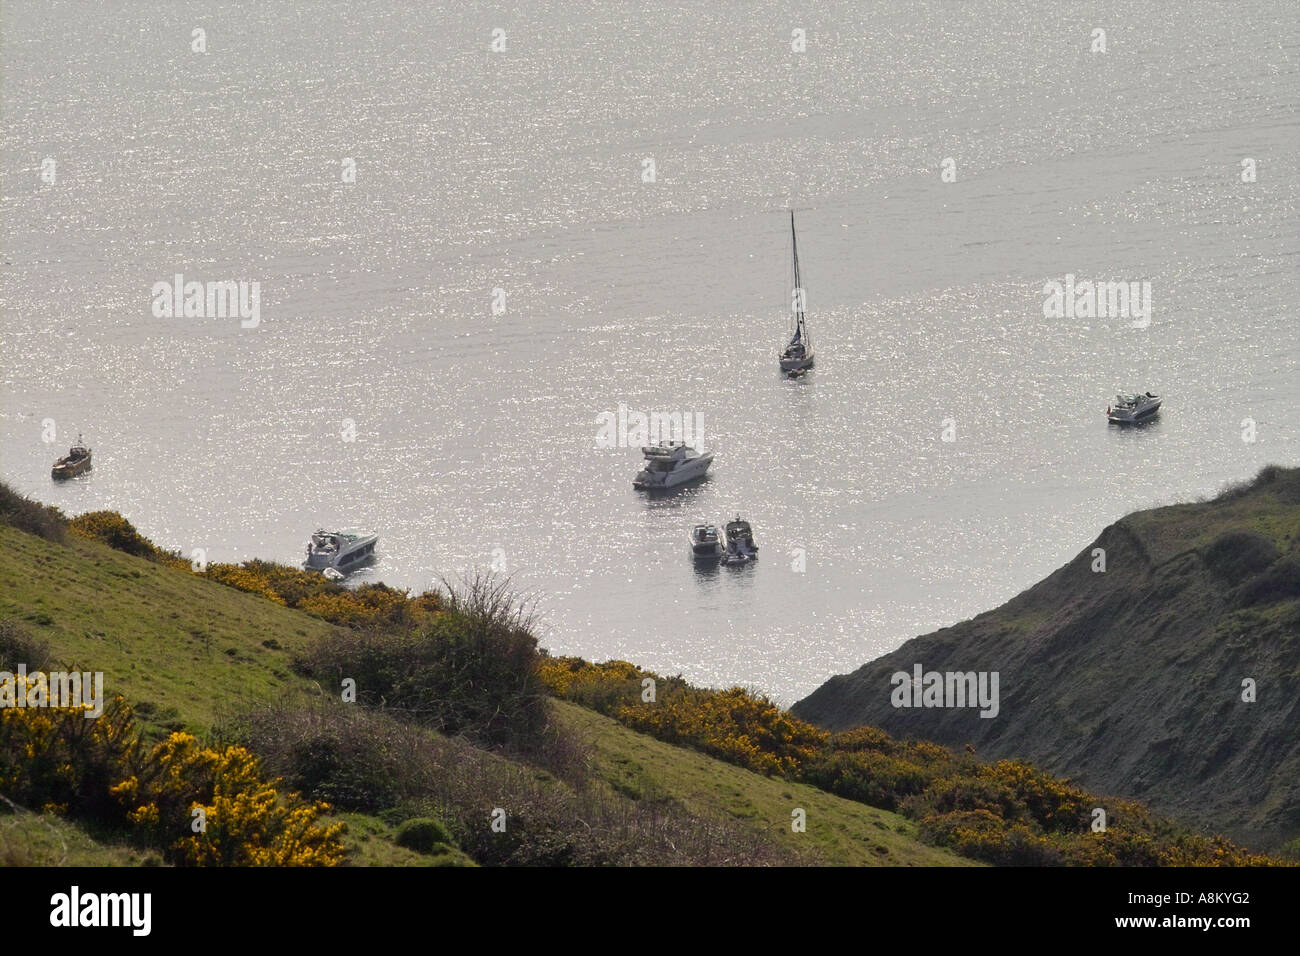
(796, 364)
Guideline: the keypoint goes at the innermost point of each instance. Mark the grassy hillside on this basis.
(34, 839)
(183, 650)
(1131, 680)
(839, 831)
(192, 654)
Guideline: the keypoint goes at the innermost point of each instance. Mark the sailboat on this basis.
(798, 355)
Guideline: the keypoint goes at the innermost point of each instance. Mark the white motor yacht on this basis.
(340, 550)
(669, 464)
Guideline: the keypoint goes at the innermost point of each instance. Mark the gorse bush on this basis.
(56, 760)
(982, 835)
(100, 771)
(734, 724)
(115, 531)
(368, 605)
(878, 779)
(868, 765)
(246, 822)
(740, 727)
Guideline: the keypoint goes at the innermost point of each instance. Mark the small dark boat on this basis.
(739, 546)
(706, 541)
(75, 462)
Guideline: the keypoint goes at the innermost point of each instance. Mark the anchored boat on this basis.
(739, 546)
(798, 355)
(340, 550)
(75, 462)
(669, 464)
(1133, 409)
(706, 541)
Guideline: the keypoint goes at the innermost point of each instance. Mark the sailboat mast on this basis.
(798, 283)
(801, 329)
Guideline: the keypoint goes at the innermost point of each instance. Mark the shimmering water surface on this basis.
(521, 170)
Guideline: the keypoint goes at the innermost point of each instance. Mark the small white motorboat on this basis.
(1133, 409)
(706, 541)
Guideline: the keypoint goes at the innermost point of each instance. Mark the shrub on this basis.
(18, 646)
(19, 511)
(601, 687)
(877, 779)
(246, 821)
(422, 834)
(1280, 582)
(472, 670)
(347, 756)
(57, 758)
(738, 726)
(983, 835)
(1235, 555)
(113, 530)
(1052, 803)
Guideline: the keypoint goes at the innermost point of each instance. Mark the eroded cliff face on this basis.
(1172, 676)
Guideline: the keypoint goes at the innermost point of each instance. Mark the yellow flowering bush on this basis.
(114, 530)
(735, 725)
(52, 755)
(240, 818)
(100, 770)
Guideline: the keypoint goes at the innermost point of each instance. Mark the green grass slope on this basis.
(838, 831)
(42, 839)
(182, 650)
